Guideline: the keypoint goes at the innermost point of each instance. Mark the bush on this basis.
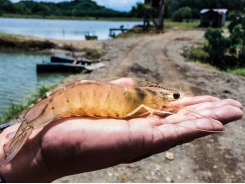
(181, 14)
(177, 16)
(196, 52)
(239, 71)
(217, 47)
(226, 52)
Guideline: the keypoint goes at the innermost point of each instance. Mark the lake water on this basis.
(61, 29)
(18, 78)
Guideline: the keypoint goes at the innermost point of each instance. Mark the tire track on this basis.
(134, 51)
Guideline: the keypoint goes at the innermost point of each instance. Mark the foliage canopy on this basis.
(227, 52)
(181, 14)
(83, 8)
(69, 8)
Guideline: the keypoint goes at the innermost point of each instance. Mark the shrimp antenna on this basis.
(197, 115)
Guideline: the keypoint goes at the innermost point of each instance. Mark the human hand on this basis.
(76, 145)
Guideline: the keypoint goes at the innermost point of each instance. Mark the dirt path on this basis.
(216, 158)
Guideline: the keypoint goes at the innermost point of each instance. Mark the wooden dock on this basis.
(112, 31)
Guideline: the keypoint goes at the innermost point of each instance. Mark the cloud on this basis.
(122, 5)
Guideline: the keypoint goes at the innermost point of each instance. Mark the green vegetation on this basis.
(217, 46)
(8, 41)
(88, 9)
(195, 52)
(238, 71)
(187, 9)
(197, 5)
(75, 8)
(137, 31)
(192, 24)
(16, 109)
(94, 53)
(227, 53)
(181, 14)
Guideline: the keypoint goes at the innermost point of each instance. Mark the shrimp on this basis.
(96, 99)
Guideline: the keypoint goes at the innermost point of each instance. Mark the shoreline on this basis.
(71, 18)
(21, 43)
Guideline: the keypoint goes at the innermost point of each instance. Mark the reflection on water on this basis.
(18, 78)
(61, 29)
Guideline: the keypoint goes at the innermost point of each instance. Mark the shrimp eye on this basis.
(176, 95)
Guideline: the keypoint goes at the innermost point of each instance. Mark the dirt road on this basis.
(157, 58)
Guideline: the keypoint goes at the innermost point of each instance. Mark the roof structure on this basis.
(220, 11)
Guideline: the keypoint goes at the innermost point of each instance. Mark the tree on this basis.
(40, 8)
(217, 47)
(181, 14)
(152, 6)
(238, 42)
(226, 52)
(161, 8)
(22, 9)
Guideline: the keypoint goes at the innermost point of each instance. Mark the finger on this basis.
(224, 114)
(125, 81)
(187, 101)
(211, 105)
(166, 136)
(190, 130)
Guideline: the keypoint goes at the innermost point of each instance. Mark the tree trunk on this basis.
(153, 20)
(160, 24)
(161, 14)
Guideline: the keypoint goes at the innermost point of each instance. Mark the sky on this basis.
(120, 5)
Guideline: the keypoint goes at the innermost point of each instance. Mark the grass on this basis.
(10, 36)
(238, 71)
(195, 52)
(181, 25)
(168, 24)
(94, 53)
(226, 24)
(14, 110)
(17, 42)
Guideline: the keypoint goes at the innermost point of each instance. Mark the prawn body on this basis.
(91, 98)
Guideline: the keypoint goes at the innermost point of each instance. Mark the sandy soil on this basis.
(157, 58)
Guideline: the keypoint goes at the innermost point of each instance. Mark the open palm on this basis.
(75, 145)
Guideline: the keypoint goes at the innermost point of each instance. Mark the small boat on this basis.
(67, 67)
(68, 64)
(57, 59)
(91, 36)
(62, 67)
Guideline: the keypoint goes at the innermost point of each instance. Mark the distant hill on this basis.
(79, 8)
(89, 8)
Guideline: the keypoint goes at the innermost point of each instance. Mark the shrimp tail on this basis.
(12, 147)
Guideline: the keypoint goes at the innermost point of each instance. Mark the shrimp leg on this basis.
(149, 109)
(12, 149)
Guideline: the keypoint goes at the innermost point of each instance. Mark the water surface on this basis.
(61, 29)
(18, 78)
